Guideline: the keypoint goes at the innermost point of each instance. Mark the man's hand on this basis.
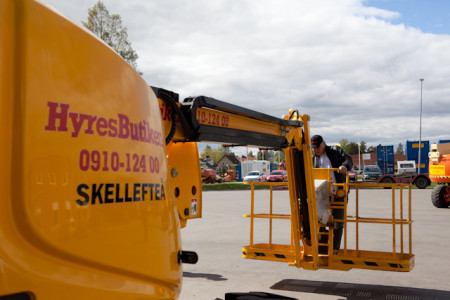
(343, 169)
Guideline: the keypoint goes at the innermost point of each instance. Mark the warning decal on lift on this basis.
(437, 170)
(194, 207)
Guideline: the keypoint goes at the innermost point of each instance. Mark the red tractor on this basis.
(209, 176)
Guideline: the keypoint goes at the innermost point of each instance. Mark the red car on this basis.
(353, 175)
(278, 175)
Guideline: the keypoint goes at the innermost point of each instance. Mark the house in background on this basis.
(208, 163)
(227, 160)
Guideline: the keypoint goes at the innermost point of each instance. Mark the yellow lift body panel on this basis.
(87, 207)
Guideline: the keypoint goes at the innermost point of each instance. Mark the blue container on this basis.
(443, 141)
(385, 159)
(239, 173)
(386, 167)
(412, 153)
(273, 167)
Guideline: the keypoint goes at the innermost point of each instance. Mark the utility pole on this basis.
(420, 126)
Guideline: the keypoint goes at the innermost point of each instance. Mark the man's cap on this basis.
(316, 141)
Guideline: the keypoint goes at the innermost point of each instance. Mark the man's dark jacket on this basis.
(337, 157)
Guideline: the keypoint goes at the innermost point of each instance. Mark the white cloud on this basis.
(343, 63)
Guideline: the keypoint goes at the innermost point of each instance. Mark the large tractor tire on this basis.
(438, 196)
(421, 182)
(387, 180)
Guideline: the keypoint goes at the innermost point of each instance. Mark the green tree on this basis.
(270, 155)
(216, 153)
(207, 152)
(265, 155)
(352, 148)
(224, 151)
(260, 155)
(344, 144)
(400, 149)
(372, 149)
(109, 29)
(279, 156)
(363, 147)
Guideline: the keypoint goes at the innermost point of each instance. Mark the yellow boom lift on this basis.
(100, 172)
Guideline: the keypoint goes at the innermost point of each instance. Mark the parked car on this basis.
(353, 175)
(277, 175)
(371, 172)
(254, 176)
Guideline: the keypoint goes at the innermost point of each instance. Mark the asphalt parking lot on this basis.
(219, 236)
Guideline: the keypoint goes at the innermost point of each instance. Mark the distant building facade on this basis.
(227, 160)
(208, 163)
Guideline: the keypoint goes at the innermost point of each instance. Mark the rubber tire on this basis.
(421, 182)
(437, 196)
(387, 180)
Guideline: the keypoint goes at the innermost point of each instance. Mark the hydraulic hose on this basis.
(176, 114)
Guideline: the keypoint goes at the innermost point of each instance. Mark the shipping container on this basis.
(412, 153)
(273, 167)
(255, 165)
(239, 173)
(385, 159)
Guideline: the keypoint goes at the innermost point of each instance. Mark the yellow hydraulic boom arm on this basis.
(210, 120)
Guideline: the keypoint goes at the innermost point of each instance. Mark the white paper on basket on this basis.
(322, 200)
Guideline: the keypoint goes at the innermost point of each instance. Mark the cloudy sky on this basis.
(352, 65)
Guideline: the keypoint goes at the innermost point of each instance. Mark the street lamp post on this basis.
(420, 125)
